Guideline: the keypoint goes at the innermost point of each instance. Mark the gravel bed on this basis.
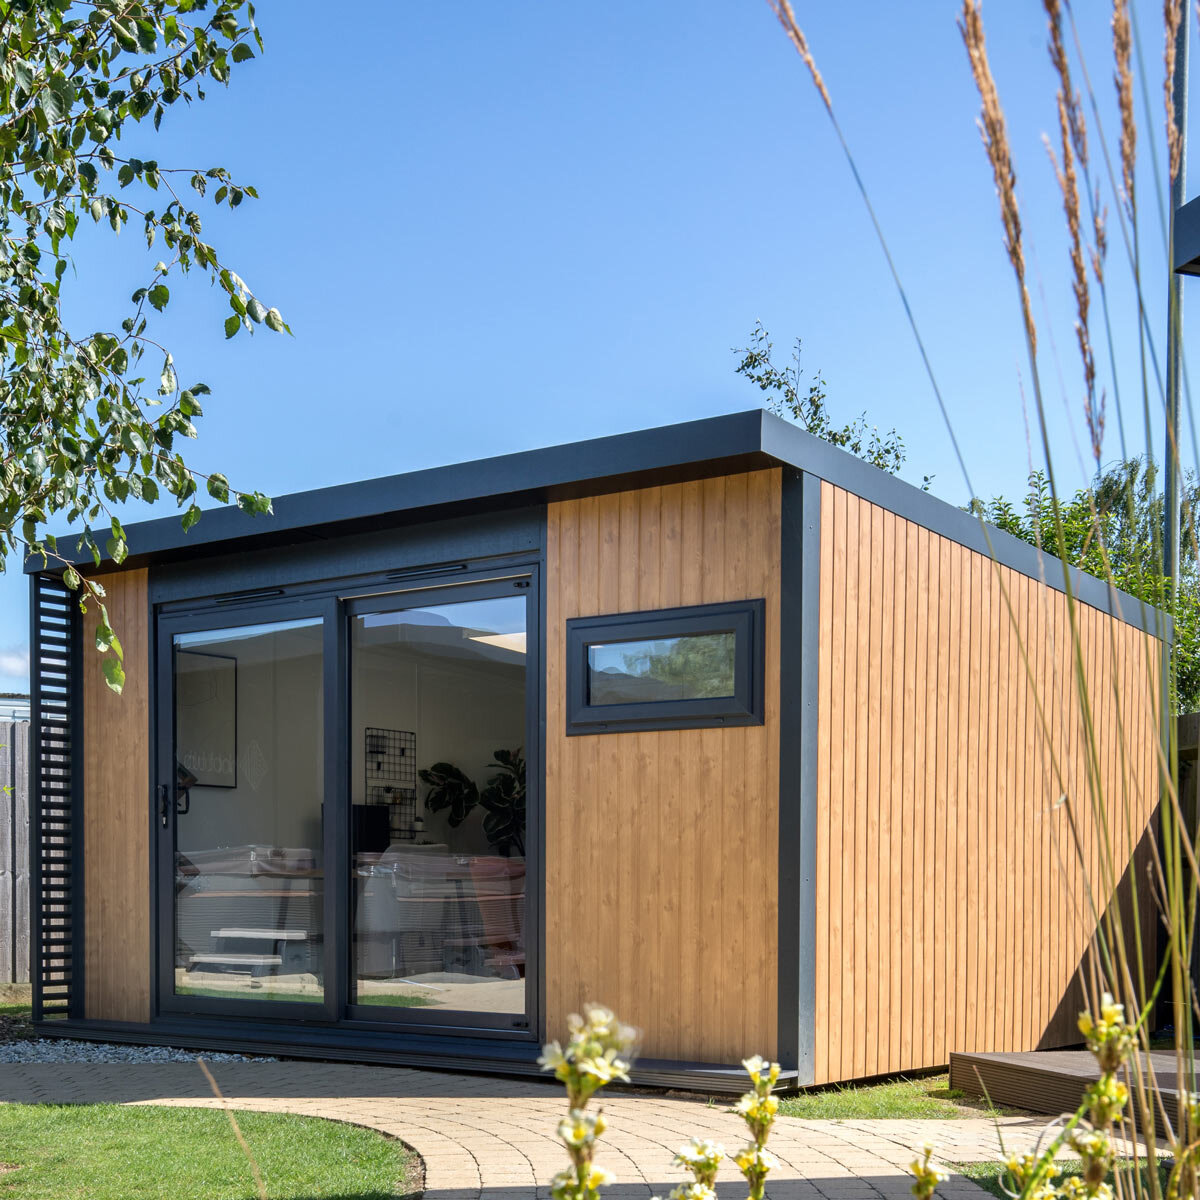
(60, 1050)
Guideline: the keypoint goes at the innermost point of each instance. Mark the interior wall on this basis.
(116, 811)
(951, 910)
(460, 714)
(280, 752)
(662, 847)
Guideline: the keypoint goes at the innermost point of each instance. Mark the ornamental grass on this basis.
(1101, 185)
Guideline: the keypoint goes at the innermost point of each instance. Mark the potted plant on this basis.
(449, 789)
(502, 798)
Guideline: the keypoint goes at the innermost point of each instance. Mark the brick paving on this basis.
(493, 1139)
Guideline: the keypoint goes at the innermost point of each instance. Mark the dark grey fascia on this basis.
(788, 443)
(692, 450)
(722, 445)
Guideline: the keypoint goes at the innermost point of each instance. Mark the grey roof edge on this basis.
(691, 449)
(787, 442)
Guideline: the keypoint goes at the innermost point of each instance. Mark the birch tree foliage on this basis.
(92, 418)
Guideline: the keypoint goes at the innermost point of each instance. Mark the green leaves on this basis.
(86, 424)
(114, 674)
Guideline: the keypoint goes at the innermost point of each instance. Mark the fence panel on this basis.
(14, 851)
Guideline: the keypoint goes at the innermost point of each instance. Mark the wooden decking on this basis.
(1048, 1081)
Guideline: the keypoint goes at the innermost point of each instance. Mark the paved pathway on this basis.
(493, 1139)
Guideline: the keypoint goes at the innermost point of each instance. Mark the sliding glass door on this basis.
(342, 808)
(241, 813)
(438, 735)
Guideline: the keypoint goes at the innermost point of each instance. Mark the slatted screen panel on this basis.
(55, 622)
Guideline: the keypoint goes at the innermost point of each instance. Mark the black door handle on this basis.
(164, 804)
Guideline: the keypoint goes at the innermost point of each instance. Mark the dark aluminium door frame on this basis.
(333, 602)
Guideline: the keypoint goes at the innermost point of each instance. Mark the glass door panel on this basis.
(438, 829)
(248, 876)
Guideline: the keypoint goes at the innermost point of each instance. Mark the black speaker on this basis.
(369, 828)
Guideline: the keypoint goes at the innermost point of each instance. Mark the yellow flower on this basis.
(1075, 1188)
(551, 1056)
(1109, 1038)
(926, 1175)
(702, 1157)
(693, 1191)
(753, 1158)
(578, 1129)
(598, 1177)
(763, 1073)
(1105, 1100)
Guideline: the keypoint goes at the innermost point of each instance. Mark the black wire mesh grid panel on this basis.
(391, 778)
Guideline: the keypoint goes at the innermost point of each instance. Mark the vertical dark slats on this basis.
(54, 619)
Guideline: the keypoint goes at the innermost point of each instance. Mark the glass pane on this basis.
(438, 791)
(249, 791)
(693, 667)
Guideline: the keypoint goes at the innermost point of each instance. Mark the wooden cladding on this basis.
(662, 847)
(116, 807)
(951, 910)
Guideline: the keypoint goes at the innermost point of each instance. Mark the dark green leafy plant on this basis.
(449, 789)
(91, 418)
(503, 797)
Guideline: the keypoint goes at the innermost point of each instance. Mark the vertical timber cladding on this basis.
(116, 810)
(662, 847)
(950, 898)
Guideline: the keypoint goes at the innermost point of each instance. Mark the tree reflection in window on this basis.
(691, 667)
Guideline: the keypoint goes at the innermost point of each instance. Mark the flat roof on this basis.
(743, 441)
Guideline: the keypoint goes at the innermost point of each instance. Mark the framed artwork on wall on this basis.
(206, 717)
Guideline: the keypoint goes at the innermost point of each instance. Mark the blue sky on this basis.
(504, 226)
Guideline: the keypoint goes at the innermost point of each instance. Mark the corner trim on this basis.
(800, 560)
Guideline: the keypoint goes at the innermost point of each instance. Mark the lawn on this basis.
(990, 1176)
(16, 1010)
(925, 1097)
(110, 1152)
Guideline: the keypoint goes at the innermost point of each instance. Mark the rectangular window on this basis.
(681, 668)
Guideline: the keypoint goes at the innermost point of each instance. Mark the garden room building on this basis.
(714, 724)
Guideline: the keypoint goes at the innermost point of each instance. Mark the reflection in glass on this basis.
(438, 812)
(692, 667)
(248, 765)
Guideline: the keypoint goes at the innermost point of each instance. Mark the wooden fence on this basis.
(14, 851)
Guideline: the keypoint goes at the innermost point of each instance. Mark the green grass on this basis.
(109, 1152)
(907, 1099)
(19, 995)
(249, 994)
(396, 1001)
(16, 1010)
(991, 1175)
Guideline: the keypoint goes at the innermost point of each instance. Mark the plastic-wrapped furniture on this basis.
(248, 908)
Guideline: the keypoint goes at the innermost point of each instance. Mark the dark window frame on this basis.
(745, 619)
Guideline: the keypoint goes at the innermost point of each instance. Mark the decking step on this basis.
(265, 935)
(238, 960)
